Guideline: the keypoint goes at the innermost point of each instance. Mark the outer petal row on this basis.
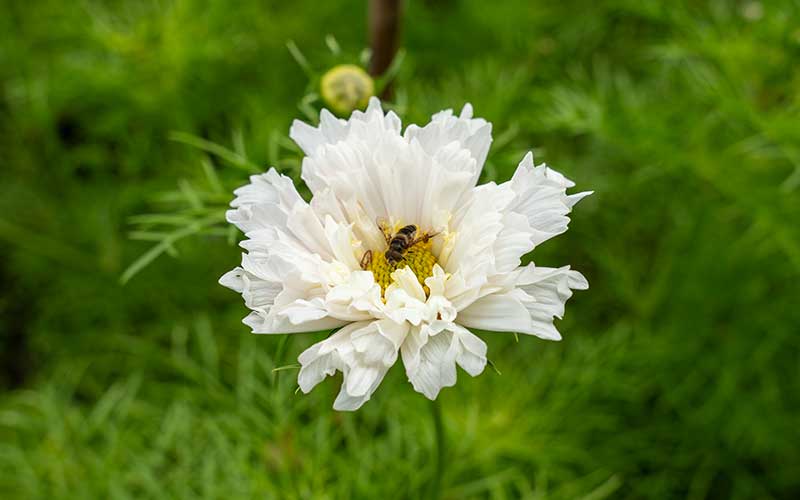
(531, 308)
(542, 198)
(295, 258)
(430, 357)
(497, 225)
(362, 351)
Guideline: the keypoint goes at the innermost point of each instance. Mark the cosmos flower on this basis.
(399, 250)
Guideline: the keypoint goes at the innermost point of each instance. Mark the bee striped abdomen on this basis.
(399, 243)
(408, 230)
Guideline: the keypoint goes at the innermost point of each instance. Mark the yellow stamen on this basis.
(419, 258)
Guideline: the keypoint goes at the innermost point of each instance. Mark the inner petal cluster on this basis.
(418, 258)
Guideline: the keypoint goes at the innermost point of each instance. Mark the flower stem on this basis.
(440, 444)
(384, 30)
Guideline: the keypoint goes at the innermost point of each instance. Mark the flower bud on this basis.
(345, 88)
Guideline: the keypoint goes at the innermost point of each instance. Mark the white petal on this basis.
(358, 299)
(283, 297)
(471, 134)
(233, 280)
(472, 355)
(436, 281)
(344, 247)
(541, 197)
(294, 259)
(370, 127)
(476, 227)
(291, 316)
(495, 227)
(513, 241)
(365, 161)
(440, 311)
(405, 298)
(330, 131)
(279, 324)
(406, 280)
(395, 333)
(428, 364)
(259, 295)
(347, 402)
(430, 360)
(550, 288)
(530, 308)
(322, 359)
(362, 351)
(263, 203)
(361, 378)
(502, 312)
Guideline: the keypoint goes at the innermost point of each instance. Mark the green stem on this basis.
(441, 449)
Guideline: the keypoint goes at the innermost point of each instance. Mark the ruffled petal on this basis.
(357, 299)
(550, 289)
(497, 225)
(541, 196)
(471, 134)
(264, 203)
(405, 298)
(502, 312)
(371, 127)
(294, 258)
(529, 309)
(430, 358)
(363, 351)
(365, 170)
(322, 359)
(332, 130)
(469, 247)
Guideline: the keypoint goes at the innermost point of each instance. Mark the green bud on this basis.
(346, 87)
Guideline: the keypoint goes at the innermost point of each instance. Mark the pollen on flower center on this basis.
(419, 258)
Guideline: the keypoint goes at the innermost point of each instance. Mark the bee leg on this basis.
(429, 236)
(383, 225)
(424, 238)
(366, 260)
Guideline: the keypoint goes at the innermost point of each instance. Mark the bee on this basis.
(399, 243)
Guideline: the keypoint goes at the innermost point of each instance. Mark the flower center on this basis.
(418, 257)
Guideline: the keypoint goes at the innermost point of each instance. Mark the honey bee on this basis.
(399, 243)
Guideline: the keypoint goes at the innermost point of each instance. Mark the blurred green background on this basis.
(679, 372)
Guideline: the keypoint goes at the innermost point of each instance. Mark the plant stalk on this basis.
(384, 32)
(440, 444)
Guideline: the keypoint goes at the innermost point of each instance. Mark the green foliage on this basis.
(677, 376)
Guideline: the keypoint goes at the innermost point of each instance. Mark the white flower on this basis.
(305, 268)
